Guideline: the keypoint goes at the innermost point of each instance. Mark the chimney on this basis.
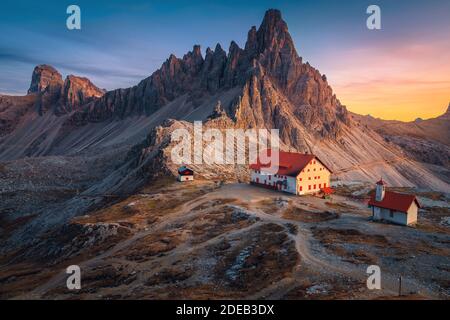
(380, 190)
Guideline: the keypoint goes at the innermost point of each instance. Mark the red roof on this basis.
(289, 163)
(395, 201)
(185, 171)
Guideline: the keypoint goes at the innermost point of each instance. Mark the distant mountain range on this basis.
(424, 140)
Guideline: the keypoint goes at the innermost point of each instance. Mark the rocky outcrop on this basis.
(76, 92)
(269, 60)
(266, 84)
(58, 96)
(277, 65)
(267, 69)
(45, 78)
(213, 69)
(46, 84)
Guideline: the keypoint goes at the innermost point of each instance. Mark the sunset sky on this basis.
(400, 72)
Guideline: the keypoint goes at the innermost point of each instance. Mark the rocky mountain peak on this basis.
(193, 59)
(234, 48)
(219, 51)
(268, 78)
(44, 78)
(272, 34)
(60, 96)
(78, 91)
(251, 46)
(196, 50)
(88, 87)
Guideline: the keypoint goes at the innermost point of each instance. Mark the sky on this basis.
(399, 72)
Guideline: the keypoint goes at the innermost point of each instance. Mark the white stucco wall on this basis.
(397, 216)
(271, 180)
(185, 178)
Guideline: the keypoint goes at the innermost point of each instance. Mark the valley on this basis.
(87, 178)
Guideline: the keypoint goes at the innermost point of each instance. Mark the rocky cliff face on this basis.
(54, 94)
(75, 138)
(45, 78)
(268, 69)
(76, 92)
(266, 84)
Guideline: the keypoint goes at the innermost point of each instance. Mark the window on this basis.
(320, 186)
(318, 177)
(309, 187)
(270, 178)
(257, 180)
(314, 187)
(391, 213)
(301, 188)
(324, 185)
(309, 178)
(308, 170)
(301, 179)
(314, 169)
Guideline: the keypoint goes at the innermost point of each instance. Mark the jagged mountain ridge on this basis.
(114, 143)
(58, 96)
(265, 85)
(269, 52)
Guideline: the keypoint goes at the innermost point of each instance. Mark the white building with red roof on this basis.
(393, 207)
(185, 174)
(297, 174)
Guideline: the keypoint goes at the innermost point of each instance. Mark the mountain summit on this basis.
(44, 78)
(266, 84)
(267, 70)
(57, 95)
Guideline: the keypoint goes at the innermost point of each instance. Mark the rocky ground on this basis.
(209, 240)
(83, 180)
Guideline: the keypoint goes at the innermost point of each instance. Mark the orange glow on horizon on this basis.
(401, 82)
(396, 101)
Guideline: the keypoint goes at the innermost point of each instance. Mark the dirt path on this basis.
(60, 278)
(252, 197)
